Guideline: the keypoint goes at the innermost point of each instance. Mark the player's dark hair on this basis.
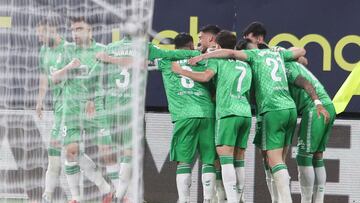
(243, 44)
(84, 19)
(213, 29)
(226, 39)
(263, 46)
(182, 39)
(257, 28)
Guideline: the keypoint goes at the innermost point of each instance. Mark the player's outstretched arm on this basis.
(297, 52)
(204, 76)
(59, 75)
(43, 85)
(220, 53)
(303, 83)
(104, 57)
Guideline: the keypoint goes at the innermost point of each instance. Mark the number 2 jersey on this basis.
(269, 79)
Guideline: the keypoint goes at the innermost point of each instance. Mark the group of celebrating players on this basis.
(208, 91)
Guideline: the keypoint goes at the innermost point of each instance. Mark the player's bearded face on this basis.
(81, 33)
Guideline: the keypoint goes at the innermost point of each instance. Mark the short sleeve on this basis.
(212, 65)
(251, 55)
(292, 72)
(287, 55)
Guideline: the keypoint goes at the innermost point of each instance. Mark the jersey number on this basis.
(241, 77)
(185, 81)
(126, 81)
(275, 64)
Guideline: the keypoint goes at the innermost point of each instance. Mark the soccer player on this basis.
(120, 56)
(207, 43)
(51, 58)
(274, 103)
(306, 91)
(192, 112)
(314, 131)
(233, 114)
(207, 36)
(306, 83)
(83, 104)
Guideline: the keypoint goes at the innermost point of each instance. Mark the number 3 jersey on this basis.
(233, 81)
(269, 79)
(186, 98)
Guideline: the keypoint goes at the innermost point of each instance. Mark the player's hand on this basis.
(39, 108)
(75, 63)
(176, 68)
(90, 109)
(102, 56)
(322, 111)
(193, 61)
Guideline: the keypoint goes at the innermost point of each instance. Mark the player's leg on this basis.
(122, 138)
(275, 124)
(219, 186)
(304, 158)
(72, 165)
(225, 139)
(268, 176)
(183, 149)
(54, 166)
(318, 148)
(244, 125)
(207, 153)
(106, 148)
(91, 170)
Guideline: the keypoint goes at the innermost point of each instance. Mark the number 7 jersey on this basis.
(233, 81)
(270, 82)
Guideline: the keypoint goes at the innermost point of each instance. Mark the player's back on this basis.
(300, 96)
(186, 98)
(270, 82)
(233, 82)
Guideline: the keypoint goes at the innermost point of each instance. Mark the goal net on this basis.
(72, 97)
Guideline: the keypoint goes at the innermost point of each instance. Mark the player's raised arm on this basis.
(59, 75)
(297, 52)
(220, 53)
(106, 58)
(204, 76)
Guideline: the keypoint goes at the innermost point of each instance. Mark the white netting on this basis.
(26, 141)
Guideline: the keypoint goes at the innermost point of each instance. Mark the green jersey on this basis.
(83, 83)
(118, 77)
(233, 81)
(157, 53)
(53, 59)
(269, 75)
(300, 96)
(186, 98)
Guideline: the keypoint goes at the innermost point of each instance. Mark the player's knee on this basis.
(54, 165)
(318, 155)
(240, 153)
(107, 154)
(225, 150)
(72, 152)
(127, 152)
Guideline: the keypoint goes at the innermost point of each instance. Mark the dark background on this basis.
(331, 19)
